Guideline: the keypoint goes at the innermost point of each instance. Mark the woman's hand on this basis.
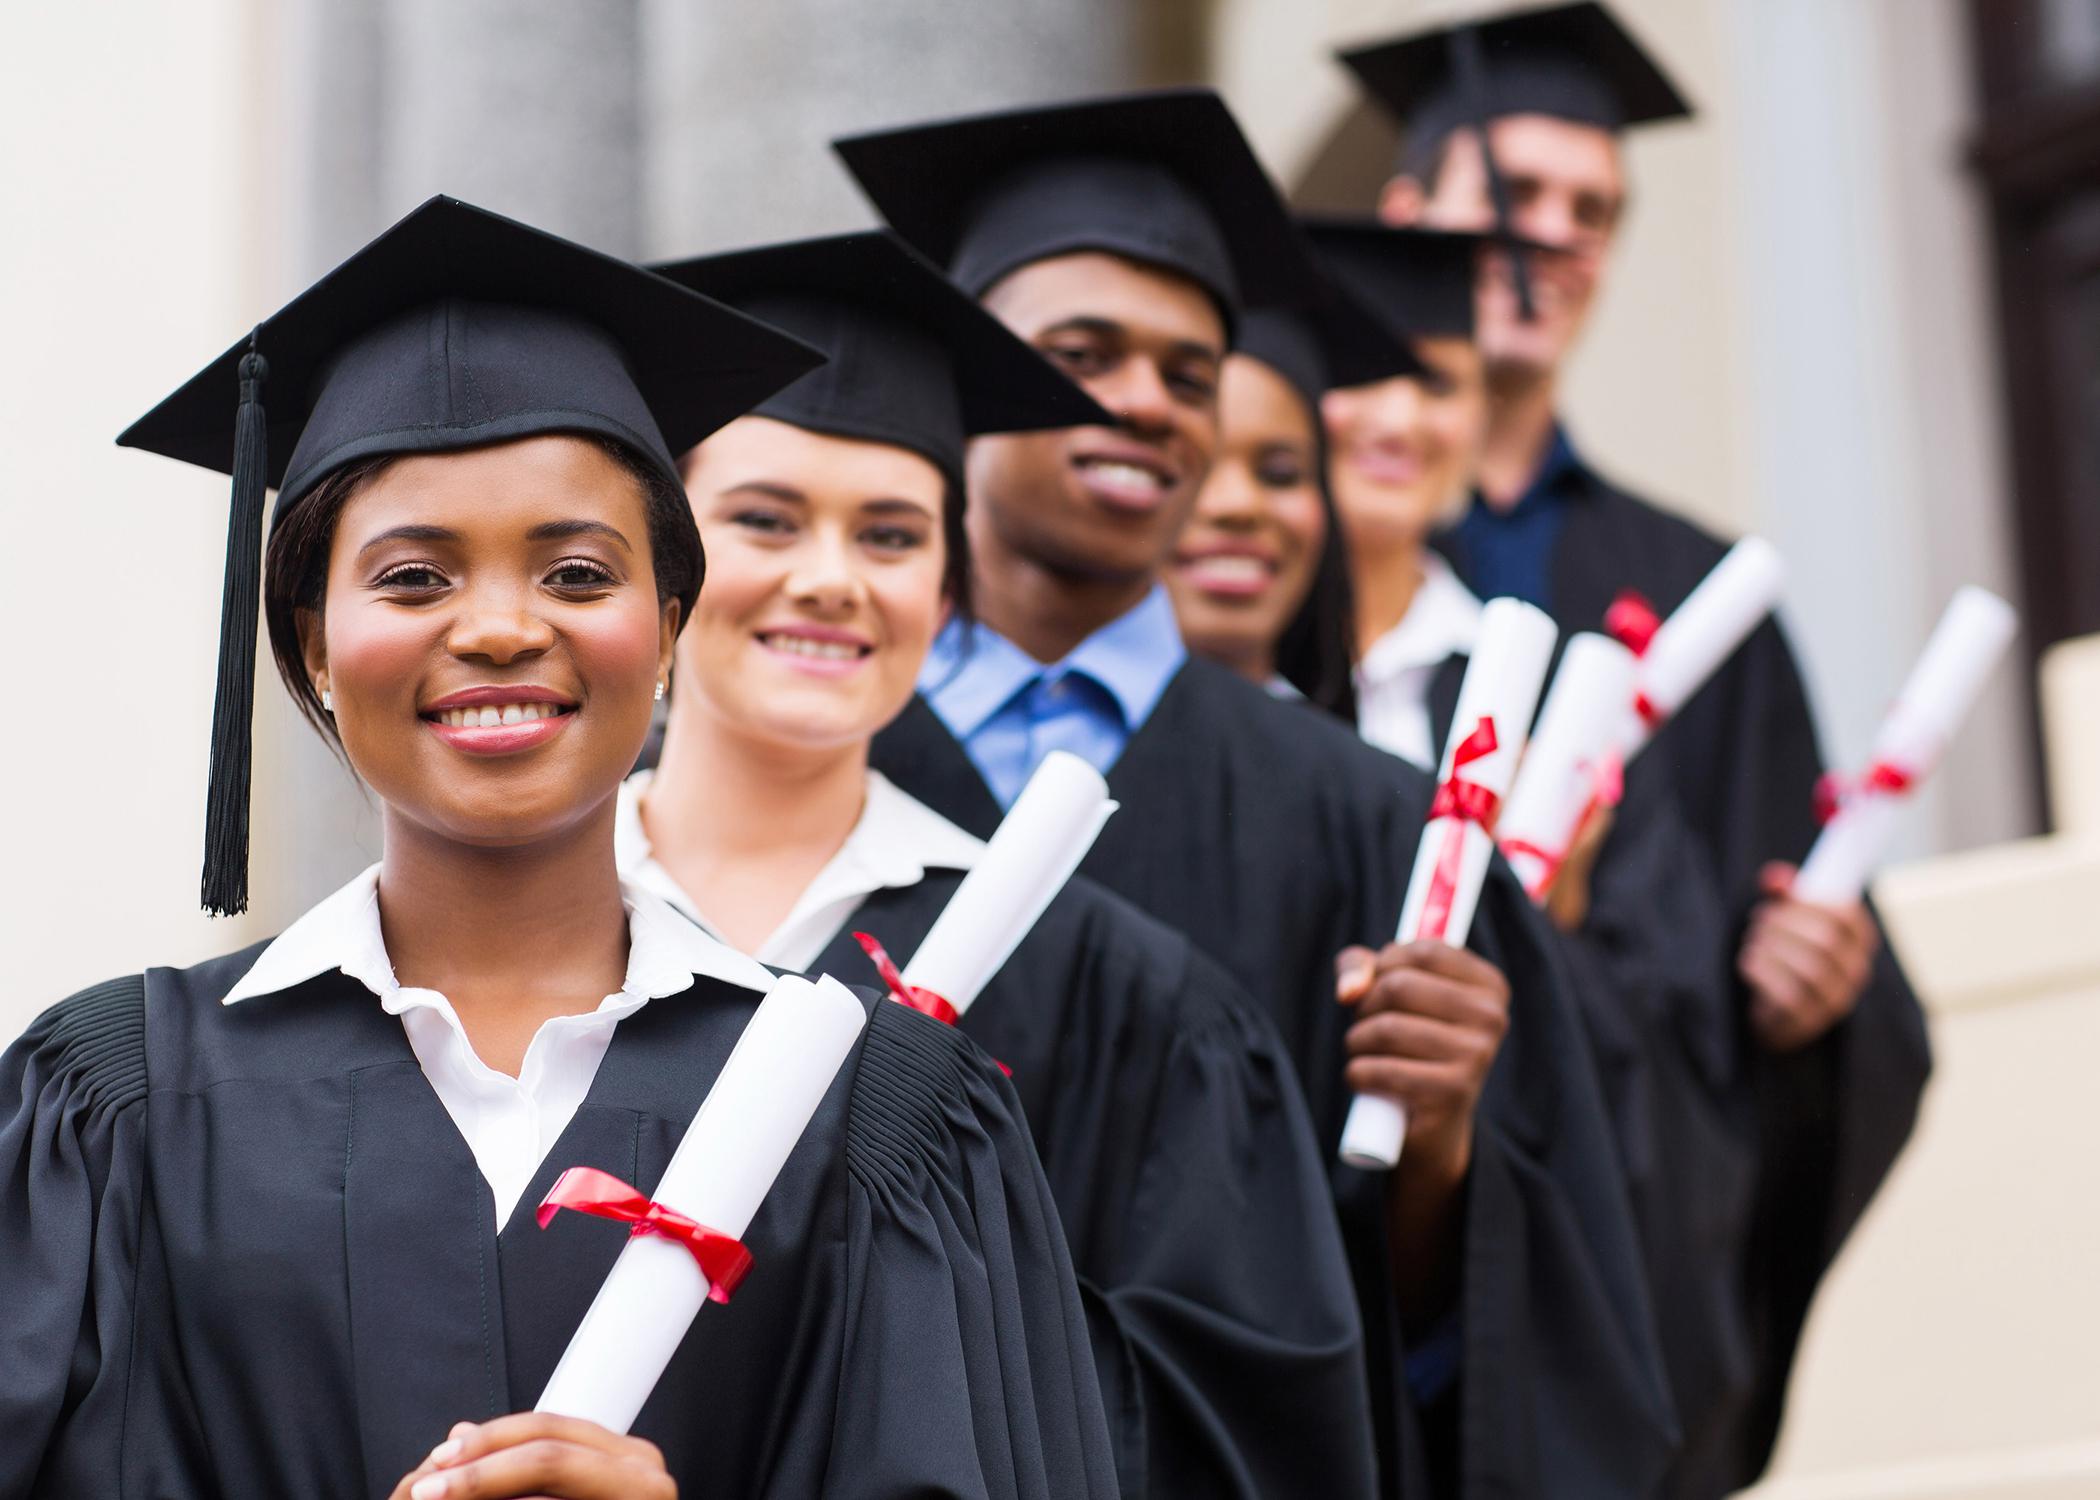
(539, 1454)
(1568, 897)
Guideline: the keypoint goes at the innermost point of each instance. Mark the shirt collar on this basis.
(1442, 620)
(973, 672)
(1560, 464)
(665, 953)
(896, 839)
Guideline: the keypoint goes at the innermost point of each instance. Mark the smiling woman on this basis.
(267, 1208)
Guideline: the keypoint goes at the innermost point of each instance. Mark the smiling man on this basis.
(1121, 238)
(1516, 122)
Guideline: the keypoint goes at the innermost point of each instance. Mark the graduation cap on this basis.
(1419, 280)
(454, 329)
(1575, 62)
(1163, 177)
(1327, 343)
(912, 360)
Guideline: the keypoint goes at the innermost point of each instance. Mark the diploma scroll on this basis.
(1030, 857)
(1966, 644)
(1569, 759)
(1495, 704)
(1701, 634)
(724, 1165)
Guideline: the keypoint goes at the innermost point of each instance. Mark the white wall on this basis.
(130, 167)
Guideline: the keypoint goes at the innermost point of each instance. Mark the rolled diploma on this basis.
(1967, 643)
(723, 1168)
(1703, 632)
(1558, 778)
(1032, 853)
(1502, 683)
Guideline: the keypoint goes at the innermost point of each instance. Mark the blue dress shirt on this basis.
(1510, 552)
(1010, 710)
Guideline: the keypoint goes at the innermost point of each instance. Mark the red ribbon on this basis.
(1607, 787)
(916, 997)
(722, 1260)
(1632, 621)
(1834, 790)
(924, 1001)
(1464, 802)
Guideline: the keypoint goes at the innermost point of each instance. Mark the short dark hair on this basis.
(295, 563)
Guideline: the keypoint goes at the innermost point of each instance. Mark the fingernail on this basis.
(460, 1429)
(430, 1488)
(445, 1452)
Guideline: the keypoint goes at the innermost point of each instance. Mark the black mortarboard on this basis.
(912, 360)
(1163, 177)
(1421, 281)
(1325, 343)
(1572, 61)
(454, 329)
(1575, 62)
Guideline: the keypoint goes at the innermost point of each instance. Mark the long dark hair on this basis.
(1316, 654)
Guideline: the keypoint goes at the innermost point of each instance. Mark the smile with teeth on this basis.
(1118, 474)
(1233, 568)
(489, 715)
(802, 645)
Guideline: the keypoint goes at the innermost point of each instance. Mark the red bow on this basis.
(722, 1260)
(1632, 621)
(1464, 802)
(1834, 790)
(924, 1001)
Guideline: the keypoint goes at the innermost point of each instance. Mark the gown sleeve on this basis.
(72, 1090)
(1562, 1386)
(965, 1366)
(1226, 1327)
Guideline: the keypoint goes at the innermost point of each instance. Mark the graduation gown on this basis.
(248, 1254)
(1741, 761)
(1193, 1196)
(1274, 838)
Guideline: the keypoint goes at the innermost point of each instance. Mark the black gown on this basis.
(1274, 838)
(248, 1254)
(1193, 1196)
(1740, 762)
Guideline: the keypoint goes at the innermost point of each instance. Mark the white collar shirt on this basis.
(895, 841)
(1393, 678)
(508, 1123)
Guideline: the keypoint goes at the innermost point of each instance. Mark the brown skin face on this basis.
(519, 575)
(1102, 504)
(1567, 190)
(1245, 560)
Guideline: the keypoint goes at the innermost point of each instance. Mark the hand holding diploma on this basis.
(1570, 770)
(1495, 705)
(1807, 953)
(723, 1167)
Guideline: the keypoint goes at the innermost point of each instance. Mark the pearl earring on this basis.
(659, 692)
(327, 701)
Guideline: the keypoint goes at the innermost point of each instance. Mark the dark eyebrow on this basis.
(557, 531)
(895, 506)
(1191, 349)
(410, 533)
(1107, 328)
(772, 489)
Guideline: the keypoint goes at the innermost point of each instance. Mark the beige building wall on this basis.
(132, 156)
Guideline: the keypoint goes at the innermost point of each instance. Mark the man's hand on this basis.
(1429, 1021)
(1805, 963)
(539, 1454)
(1568, 897)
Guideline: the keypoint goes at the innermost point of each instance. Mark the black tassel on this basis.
(225, 886)
(1472, 82)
